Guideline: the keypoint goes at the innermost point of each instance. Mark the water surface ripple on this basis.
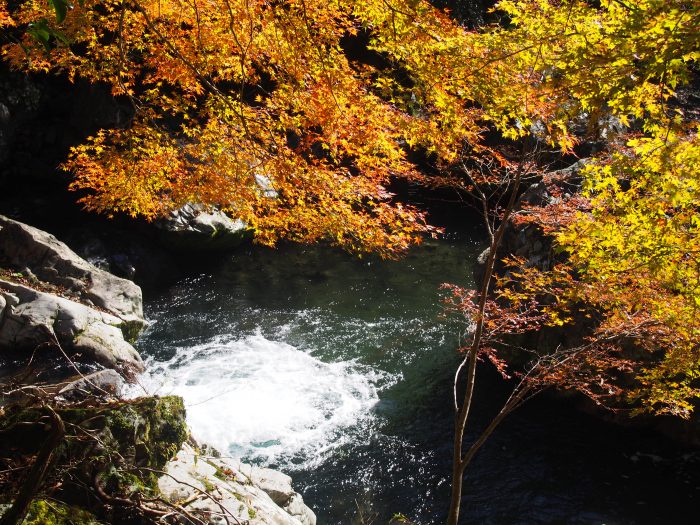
(338, 370)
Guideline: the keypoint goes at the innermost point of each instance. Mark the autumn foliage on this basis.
(235, 100)
(628, 266)
(296, 115)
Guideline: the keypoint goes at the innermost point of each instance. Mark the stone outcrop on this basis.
(109, 452)
(134, 454)
(278, 486)
(217, 488)
(32, 319)
(103, 383)
(40, 256)
(194, 227)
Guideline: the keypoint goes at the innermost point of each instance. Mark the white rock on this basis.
(277, 485)
(42, 255)
(212, 487)
(32, 318)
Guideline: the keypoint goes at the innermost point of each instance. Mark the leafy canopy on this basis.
(631, 238)
(236, 99)
(295, 115)
(613, 71)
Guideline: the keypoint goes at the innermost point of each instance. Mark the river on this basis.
(338, 371)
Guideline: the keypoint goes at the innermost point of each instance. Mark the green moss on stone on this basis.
(130, 437)
(42, 512)
(208, 485)
(224, 474)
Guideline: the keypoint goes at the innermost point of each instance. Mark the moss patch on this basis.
(112, 444)
(42, 512)
(224, 474)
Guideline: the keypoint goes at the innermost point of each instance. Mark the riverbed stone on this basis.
(196, 227)
(215, 487)
(33, 319)
(39, 254)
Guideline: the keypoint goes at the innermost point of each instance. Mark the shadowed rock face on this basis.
(103, 383)
(38, 254)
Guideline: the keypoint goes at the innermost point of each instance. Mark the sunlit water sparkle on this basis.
(339, 372)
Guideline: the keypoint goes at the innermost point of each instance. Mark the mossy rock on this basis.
(43, 512)
(116, 446)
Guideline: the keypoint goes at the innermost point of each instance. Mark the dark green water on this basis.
(339, 371)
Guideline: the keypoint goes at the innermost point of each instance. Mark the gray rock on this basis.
(213, 487)
(265, 184)
(571, 172)
(103, 383)
(42, 255)
(4, 114)
(32, 319)
(483, 256)
(276, 484)
(297, 508)
(535, 195)
(194, 227)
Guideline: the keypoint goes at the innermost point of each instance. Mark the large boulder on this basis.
(216, 489)
(194, 227)
(40, 255)
(32, 319)
(278, 486)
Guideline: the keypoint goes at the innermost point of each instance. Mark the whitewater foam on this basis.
(266, 400)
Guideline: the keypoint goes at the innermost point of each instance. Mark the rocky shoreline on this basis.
(67, 330)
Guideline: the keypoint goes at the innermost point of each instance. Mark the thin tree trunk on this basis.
(459, 462)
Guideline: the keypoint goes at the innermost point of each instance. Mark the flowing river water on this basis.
(338, 371)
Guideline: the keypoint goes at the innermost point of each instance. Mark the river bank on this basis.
(66, 335)
(337, 370)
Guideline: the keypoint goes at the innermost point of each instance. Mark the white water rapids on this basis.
(267, 400)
